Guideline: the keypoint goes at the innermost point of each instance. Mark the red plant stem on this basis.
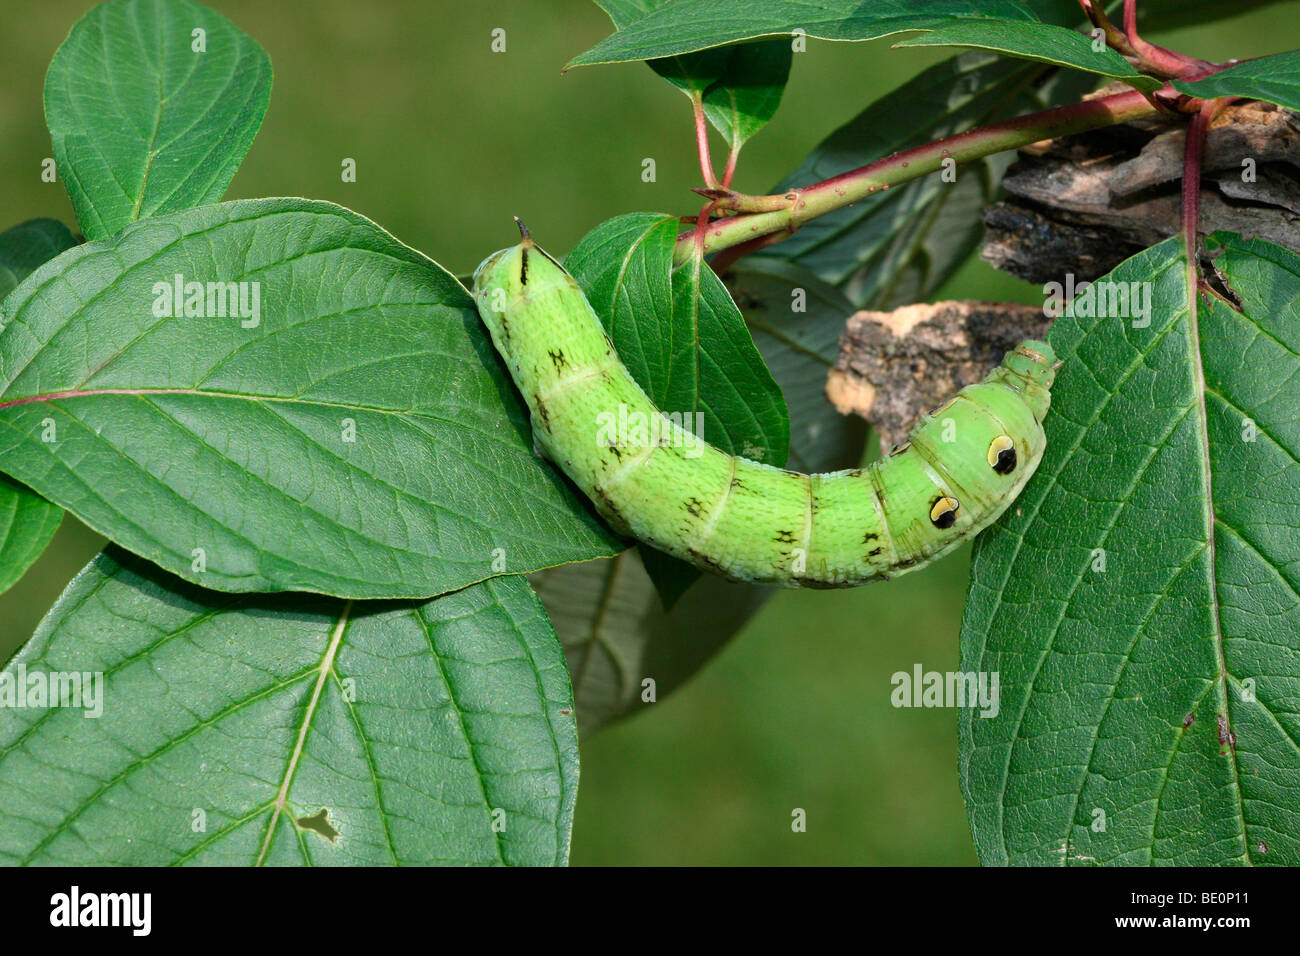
(730, 171)
(1193, 152)
(702, 143)
(774, 214)
(1193, 162)
(1156, 59)
(1115, 37)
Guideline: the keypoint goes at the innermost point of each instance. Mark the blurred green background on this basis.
(450, 140)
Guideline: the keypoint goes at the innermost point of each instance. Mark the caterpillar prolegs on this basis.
(960, 468)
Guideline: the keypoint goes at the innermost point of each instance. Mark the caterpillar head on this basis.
(1031, 370)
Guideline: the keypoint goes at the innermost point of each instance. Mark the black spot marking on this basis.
(539, 407)
(784, 537)
(1002, 455)
(606, 505)
(557, 358)
(869, 537)
(943, 511)
(899, 448)
(523, 266)
(693, 506)
(1006, 462)
(701, 558)
(319, 822)
(874, 551)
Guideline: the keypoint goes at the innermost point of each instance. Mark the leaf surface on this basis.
(143, 123)
(1141, 601)
(241, 730)
(355, 435)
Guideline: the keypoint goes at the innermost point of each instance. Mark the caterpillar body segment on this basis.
(960, 468)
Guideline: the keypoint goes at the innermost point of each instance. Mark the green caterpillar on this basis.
(960, 468)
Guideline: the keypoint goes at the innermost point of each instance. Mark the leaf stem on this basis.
(1193, 156)
(1156, 59)
(1115, 37)
(702, 142)
(759, 216)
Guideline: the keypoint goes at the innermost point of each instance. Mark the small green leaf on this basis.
(685, 26)
(1139, 603)
(353, 435)
(680, 335)
(229, 730)
(747, 94)
(1042, 42)
(27, 523)
(1275, 79)
(152, 105)
(28, 245)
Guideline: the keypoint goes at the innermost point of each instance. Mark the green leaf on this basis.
(1170, 14)
(1273, 78)
(685, 26)
(747, 94)
(1042, 42)
(358, 438)
(739, 86)
(1141, 601)
(292, 730)
(27, 523)
(28, 245)
(796, 320)
(142, 123)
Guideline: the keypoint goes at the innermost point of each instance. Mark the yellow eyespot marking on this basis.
(1002, 455)
(943, 513)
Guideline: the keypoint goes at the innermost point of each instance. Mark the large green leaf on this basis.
(685, 26)
(239, 730)
(360, 439)
(27, 521)
(1043, 42)
(796, 321)
(1141, 601)
(1273, 78)
(142, 122)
